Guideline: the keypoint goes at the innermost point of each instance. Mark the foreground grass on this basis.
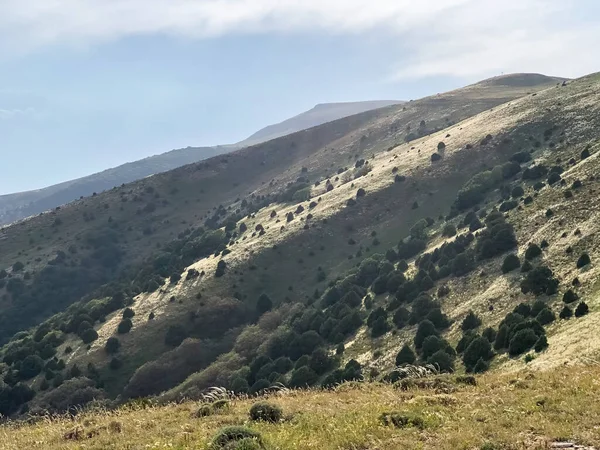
(526, 410)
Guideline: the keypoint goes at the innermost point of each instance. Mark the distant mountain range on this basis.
(17, 206)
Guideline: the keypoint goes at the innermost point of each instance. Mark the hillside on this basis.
(311, 259)
(320, 114)
(530, 411)
(17, 206)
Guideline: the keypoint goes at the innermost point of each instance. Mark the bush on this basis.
(541, 344)
(581, 310)
(449, 230)
(435, 157)
(517, 192)
(259, 386)
(115, 363)
(511, 262)
(479, 348)
(124, 326)
(176, 334)
(522, 341)
(481, 366)
(221, 267)
(540, 280)
(400, 420)
(89, 336)
(490, 334)
(545, 316)
(424, 330)
(265, 412)
(566, 313)
(263, 304)
(303, 377)
(554, 178)
(401, 317)
(128, 313)
(583, 260)
(570, 297)
(470, 322)
(532, 252)
(360, 193)
(236, 434)
(30, 367)
(462, 264)
(405, 356)
(442, 360)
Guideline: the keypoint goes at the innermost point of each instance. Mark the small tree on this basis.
(449, 230)
(566, 313)
(541, 344)
(128, 313)
(442, 360)
(511, 262)
(405, 356)
(424, 330)
(583, 260)
(112, 345)
(545, 316)
(470, 322)
(532, 252)
(479, 348)
(263, 304)
(522, 341)
(570, 296)
(175, 335)
(89, 336)
(124, 326)
(582, 309)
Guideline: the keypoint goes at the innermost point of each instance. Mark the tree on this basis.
(30, 367)
(538, 281)
(405, 356)
(470, 322)
(532, 252)
(462, 264)
(128, 313)
(541, 344)
(511, 262)
(438, 318)
(303, 377)
(442, 360)
(449, 230)
(517, 192)
(545, 316)
(124, 326)
(424, 330)
(566, 313)
(522, 341)
(89, 336)
(583, 260)
(479, 348)
(221, 267)
(582, 309)
(263, 304)
(176, 334)
(570, 296)
(112, 345)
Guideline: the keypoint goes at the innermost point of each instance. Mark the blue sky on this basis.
(90, 84)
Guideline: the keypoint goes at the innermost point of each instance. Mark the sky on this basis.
(90, 84)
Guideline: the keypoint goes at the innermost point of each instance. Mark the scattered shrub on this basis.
(510, 263)
(582, 309)
(541, 344)
(479, 348)
(566, 313)
(405, 356)
(442, 360)
(235, 434)
(570, 296)
(470, 322)
(522, 341)
(532, 252)
(124, 326)
(583, 260)
(401, 420)
(265, 412)
(449, 230)
(545, 316)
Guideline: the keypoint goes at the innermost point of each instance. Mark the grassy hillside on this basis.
(189, 253)
(531, 410)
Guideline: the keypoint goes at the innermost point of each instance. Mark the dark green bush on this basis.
(424, 330)
(511, 262)
(128, 313)
(541, 344)
(235, 434)
(89, 336)
(263, 304)
(303, 377)
(582, 309)
(539, 281)
(124, 326)
(583, 260)
(405, 356)
(545, 316)
(449, 230)
(532, 252)
(470, 322)
(479, 348)
(265, 412)
(176, 334)
(522, 341)
(570, 296)
(566, 313)
(442, 360)
(517, 192)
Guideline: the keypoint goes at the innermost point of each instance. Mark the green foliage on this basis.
(424, 330)
(265, 412)
(581, 310)
(236, 435)
(405, 356)
(263, 304)
(541, 344)
(583, 260)
(497, 238)
(303, 377)
(481, 366)
(89, 336)
(511, 262)
(449, 230)
(566, 313)
(463, 264)
(128, 313)
(539, 281)
(470, 322)
(124, 326)
(532, 252)
(442, 360)
(30, 367)
(545, 316)
(479, 348)
(522, 341)
(221, 268)
(176, 334)
(517, 192)
(402, 420)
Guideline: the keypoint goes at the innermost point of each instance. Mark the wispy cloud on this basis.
(432, 37)
(6, 114)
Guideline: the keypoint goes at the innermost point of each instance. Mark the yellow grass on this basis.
(507, 411)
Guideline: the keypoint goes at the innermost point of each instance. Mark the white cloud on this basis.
(6, 114)
(431, 37)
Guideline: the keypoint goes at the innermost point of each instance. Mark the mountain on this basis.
(24, 204)
(457, 231)
(318, 115)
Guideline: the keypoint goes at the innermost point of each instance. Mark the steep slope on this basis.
(320, 114)
(17, 206)
(151, 242)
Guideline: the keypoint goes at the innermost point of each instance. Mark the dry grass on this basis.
(518, 411)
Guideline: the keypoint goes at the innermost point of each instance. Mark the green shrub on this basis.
(522, 341)
(405, 356)
(470, 322)
(532, 252)
(263, 304)
(303, 377)
(566, 313)
(536, 308)
(481, 366)
(582, 309)
(402, 420)
(236, 435)
(541, 344)
(466, 340)
(124, 326)
(89, 336)
(30, 367)
(490, 334)
(545, 316)
(424, 330)
(570, 296)
(259, 386)
(583, 260)
(517, 192)
(176, 334)
(449, 230)
(128, 313)
(511, 262)
(115, 363)
(479, 348)
(265, 412)
(539, 281)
